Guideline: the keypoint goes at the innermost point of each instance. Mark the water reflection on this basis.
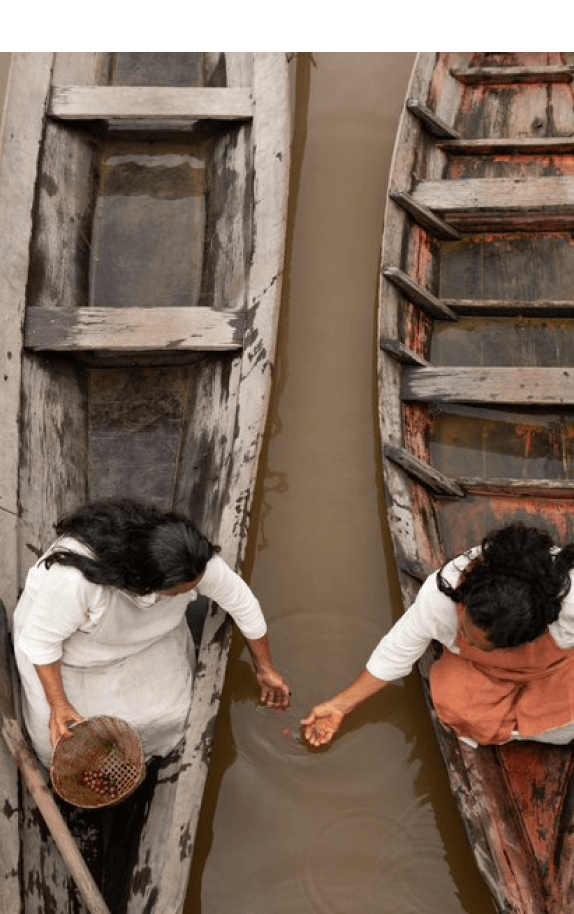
(368, 824)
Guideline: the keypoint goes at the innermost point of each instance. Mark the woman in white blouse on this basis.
(504, 611)
(101, 625)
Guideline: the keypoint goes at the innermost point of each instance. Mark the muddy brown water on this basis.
(366, 826)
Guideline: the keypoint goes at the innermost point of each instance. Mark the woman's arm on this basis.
(61, 711)
(229, 590)
(325, 719)
(275, 691)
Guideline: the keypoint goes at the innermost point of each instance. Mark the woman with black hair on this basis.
(504, 611)
(101, 625)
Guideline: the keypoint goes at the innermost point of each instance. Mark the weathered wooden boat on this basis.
(476, 400)
(143, 199)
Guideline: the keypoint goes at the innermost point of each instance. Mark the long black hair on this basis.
(514, 589)
(133, 546)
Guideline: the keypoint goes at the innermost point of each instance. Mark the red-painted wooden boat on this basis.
(476, 403)
(144, 201)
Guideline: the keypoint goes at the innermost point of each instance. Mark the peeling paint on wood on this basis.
(492, 409)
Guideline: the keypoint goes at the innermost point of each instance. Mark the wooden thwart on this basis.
(509, 308)
(529, 488)
(517, 145)
(520, 386)
(498, 194)
(157, 103)
(133, 329)
(493, 75)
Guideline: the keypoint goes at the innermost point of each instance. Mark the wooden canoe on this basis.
(476, 371)
(143, 199)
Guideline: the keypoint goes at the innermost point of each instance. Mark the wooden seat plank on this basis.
(498, 194)
(477, 75)
(531, 488)
(153, 103)
(524, 386)
(543, 145)
(133, 329)
(509, 308)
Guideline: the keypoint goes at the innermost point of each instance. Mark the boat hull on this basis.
(141, 284)
(475, 403)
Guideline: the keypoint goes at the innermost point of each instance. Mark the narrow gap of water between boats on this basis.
(369, 823)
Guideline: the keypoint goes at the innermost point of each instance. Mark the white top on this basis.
(433, 616)
(120, 654)
(45, 635)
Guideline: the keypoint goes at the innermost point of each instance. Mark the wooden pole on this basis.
(36, 783)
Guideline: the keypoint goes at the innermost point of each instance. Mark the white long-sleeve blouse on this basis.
(433, 616)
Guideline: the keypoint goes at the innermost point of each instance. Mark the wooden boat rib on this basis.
(476, 404)
(144, 205)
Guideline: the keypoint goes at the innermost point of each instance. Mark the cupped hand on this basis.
(275, 691)
(322, 724)
(60, 716)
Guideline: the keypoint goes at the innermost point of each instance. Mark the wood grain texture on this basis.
(492, 409)
(150, 103)
(497, 194)
(111, 402)
(132, 329)
(530, 386)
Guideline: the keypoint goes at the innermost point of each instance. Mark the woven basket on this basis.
(100, 765)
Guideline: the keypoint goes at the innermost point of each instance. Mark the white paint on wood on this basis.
(134, 329)
(29, 79)
(119, 102)
(270, 141)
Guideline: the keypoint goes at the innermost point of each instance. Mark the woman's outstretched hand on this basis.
(322, 724)
(325, 719)
(275, 691)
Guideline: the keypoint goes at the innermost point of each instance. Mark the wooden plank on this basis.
(19, 150)
(543, 145)
(419, 296)
(498, 194)
(133, 329)
(433, 124)
(472, 76)
(519, 386)
(529, 488)
(153, 103)
(401, 353)
(425, 216)
(508, 308)
(430, 478)
(410, 139)
(271, 150)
